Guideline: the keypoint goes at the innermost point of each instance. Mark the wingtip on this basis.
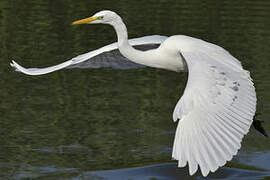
(193, 170)
(12, 64)
(15, 65)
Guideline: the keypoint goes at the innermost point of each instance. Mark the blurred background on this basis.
(77, 123)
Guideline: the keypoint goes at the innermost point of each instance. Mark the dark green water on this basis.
(69, 123)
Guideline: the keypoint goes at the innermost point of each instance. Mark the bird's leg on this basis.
(258, 125)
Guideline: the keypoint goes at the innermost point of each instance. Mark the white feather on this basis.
(154, 39)
(211, 100)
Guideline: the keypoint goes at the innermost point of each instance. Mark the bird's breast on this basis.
(169, 57)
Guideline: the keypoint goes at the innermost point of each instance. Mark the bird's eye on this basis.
(100, 17)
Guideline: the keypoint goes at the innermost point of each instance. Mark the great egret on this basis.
(219, 101)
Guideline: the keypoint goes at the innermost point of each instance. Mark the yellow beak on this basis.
(85, 21)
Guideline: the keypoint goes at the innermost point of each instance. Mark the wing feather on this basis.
(206, 146)
(215, 111)
(114, 60)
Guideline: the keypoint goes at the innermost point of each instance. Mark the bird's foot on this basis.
(258, 125)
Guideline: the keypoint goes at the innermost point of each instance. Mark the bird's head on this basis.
(102, 17)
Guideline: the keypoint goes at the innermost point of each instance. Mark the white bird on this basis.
(219, 101)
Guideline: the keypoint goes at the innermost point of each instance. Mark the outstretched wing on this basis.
(215, 111)
(107, 56)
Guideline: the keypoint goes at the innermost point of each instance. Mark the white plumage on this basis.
(155, 39)
(219, 101)
(215, 111)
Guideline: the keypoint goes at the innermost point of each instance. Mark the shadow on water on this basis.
(80, 123)
(170, 171)
(166, 171)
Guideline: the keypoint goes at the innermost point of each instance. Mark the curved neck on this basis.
(122, 38)
(137, 56)
(121, 32)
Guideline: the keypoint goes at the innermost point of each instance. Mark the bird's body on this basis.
(219, 101)
(164, 57)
